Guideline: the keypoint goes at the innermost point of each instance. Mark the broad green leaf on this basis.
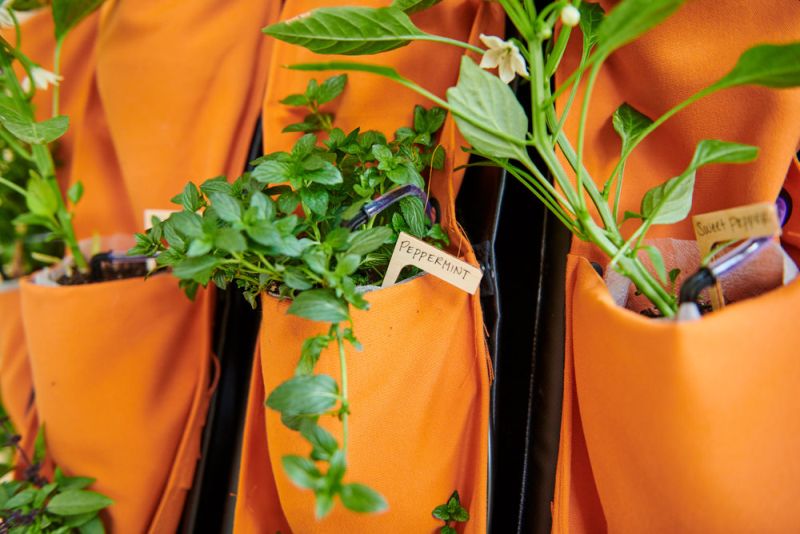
(412, 6)
(629, 124)
(310, 353)
(294, 278)
(219, 185)
(305, 395)
(227, 207)
(669, 202)
(326, 173)
(331, 88)
(263, 205)
(448, 530)
(189, 198)
(68, 13)
(197, 269)
(658, 262)
(712, 151)
(323, 504)
(295, 100)
(43, 494)
(414, 213)
(337, 468)
(39, 133)
(302, 471)
(75, 502)
(200, 247)
(348, 30)
(775, 66)
(230, 240)
(41, 197)
(366, 241)
(21, 499)
(360, 498)
(630, 19)
(591, 17)
(95, 526)
(272, 172)
(67, 483)
(498, 122)
(75, 192)
(319, 305)
(442, 512)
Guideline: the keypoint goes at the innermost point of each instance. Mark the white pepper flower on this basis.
(505, 56)
(42, 79)
(570, 16)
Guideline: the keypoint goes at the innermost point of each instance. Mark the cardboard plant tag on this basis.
(411, 251)
(735, 224)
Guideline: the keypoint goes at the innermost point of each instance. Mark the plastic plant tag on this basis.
(411, 251)
(735, 224)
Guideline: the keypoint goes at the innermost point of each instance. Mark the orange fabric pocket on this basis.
(680, 427)
(419, 398)
(121, 372)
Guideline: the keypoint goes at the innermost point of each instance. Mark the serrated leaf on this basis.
(713, 151)
(319, 305)
(198, 269)
(187, 223)
(326, 174)
(442, 513)
(68, 13)
(304, 395)
(39, 133)
(227, 207)
(776, 66)
(310, 353)
(302, 471)
(75, 502)
(41, 197)
(362, 499)
(669, 202)
(494, 110)
(348, 30)
(272, 172)
(365, 241)
(324, 443)
(630, 19)
(630, 124)
(331, 88)
(230, 240)
(414, 214)
(295, 100)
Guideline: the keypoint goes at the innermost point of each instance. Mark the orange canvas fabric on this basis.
(174, 97)
(420, 389)
(683, 427)
(121, 372)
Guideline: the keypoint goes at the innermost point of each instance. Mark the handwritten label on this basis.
(159, 214)
(745, 222)
(735, 224)
(411, 251)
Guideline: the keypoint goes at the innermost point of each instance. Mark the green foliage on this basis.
(775, 66)
(413, 6)
(280, 229)
(33, 504)
(68, 13)
(451, 512)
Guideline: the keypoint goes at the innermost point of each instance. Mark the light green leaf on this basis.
(75, 502)
(68, 13)
(413, 6)
(326, 174)
(775, 66)
(227, 207)
(591, 17)
(272, 172)
(713, 151)
(630, 19)
(669, 202)
(75, 192)
(319, 305)
(360, 498)
(365, 241)
(41, 199)
(39, 133)
(658, 262)
(304, 395)
(331, 88)
(493, 109)
(348, 30)
(414, 213)
(630, 124)
(302, 471)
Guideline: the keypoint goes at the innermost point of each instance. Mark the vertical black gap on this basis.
(235, 332)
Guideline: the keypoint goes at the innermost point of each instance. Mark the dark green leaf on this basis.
(442, 512)
(302, 471)
(326, 174)
(775, 66)
(230, 240)
(712, 151)
(448, 530)
(591, 17)
(324, 443)
(264, 233)
(288, 201)
(498, 123)
(216, 185)
(630, 19)
(360, 498)
(337, 238)
(39, 133)
(348, 30)
(67, 483)
(75, 502)
(365, 241)
(347, 264)
(414, 213)
(629, 124)
(94, 526)
(189, 224)
(331, 88)
(42, 198)
(305, 395)
(197, 269)
(272, 172)
(669, 202)
(319, 305)
(295, 100)
(227, 207)
(23, 498)
(310, 353)
(68, 13)
(315, 200)
(43, 494)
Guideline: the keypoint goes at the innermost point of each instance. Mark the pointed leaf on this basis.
(630, 19)
(302, 471)
(304, 395)
(629, 124)
(711, 151)
(669, 202)
(768, 65)
(319, 305)
(413, 6)
(362, 499)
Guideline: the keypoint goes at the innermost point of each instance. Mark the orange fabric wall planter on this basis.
(16, 385)
(121, 371)
(419, 391)
(685, 427)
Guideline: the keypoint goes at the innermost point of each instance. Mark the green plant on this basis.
(451, 512)
(498, 129)
(35, 505)
(33, 183)
(286, 228)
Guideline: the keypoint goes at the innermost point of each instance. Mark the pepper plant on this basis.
(31, 195)
(301, 225)
(498, 129)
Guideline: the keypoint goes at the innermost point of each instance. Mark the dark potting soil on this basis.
(104, 271)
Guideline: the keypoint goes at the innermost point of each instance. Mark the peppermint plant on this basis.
(499, 130)
(314, 225)
(30, 193)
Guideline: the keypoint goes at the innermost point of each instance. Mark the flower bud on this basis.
(570, 16)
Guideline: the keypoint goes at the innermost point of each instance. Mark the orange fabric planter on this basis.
(121, 371)
(685, 427)
(16, 386)
(419, 391)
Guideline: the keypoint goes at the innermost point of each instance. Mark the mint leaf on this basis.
(319, 305)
